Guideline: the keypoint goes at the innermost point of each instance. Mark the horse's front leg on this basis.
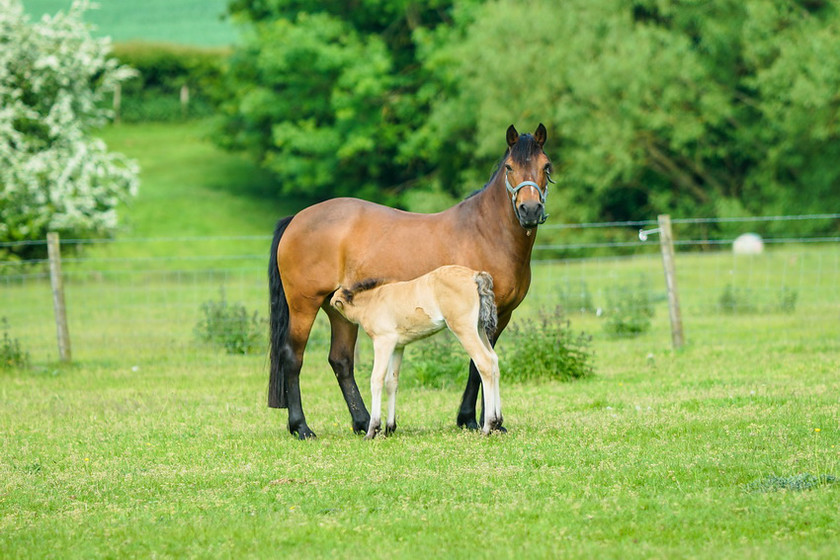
(466, 413)
(342, 348)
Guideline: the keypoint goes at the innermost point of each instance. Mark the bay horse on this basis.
(342, 241)
(399, 313)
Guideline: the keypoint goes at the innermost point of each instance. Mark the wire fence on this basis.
(132, 300)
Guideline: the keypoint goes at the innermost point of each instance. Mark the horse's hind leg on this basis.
(342, 348)
(300, 323)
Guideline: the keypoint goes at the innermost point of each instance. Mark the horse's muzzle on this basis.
(531, 214)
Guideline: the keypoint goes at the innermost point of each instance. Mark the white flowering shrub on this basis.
(54, 175)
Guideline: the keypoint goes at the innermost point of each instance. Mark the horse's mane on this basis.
(524, 149)
(361, 286)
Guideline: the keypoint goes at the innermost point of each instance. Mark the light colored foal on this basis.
(396, 314)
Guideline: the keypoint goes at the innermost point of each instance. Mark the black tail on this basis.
(278, 340)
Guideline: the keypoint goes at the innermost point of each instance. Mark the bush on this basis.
(54, 174)
(11, 354)
(629, 310)
(787, 299)
(229, 326)
(162, 70)
(437, 362)
(544, 348)
(733, 301)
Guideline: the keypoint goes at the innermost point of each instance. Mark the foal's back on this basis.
(421, 307)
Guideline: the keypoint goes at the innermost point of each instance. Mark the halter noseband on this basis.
(514, 191)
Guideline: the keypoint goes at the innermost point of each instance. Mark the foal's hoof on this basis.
(372, 431)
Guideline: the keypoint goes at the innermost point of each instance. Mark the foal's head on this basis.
(527, 172)
(343, 298)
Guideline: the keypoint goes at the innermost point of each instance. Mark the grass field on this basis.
(151, 447)
(189, 22)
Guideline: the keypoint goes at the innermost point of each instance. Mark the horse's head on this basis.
(528, 168)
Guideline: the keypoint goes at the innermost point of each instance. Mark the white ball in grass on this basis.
(748, 244)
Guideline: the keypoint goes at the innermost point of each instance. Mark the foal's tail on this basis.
(487, 315)
(278, 324)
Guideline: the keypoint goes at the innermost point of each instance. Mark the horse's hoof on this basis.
(471, 425)
(370, 435)
(360, 426)
(303, 432)
(467, 422)
(501, 429)
(390, 429)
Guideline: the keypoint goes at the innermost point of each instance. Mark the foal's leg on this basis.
(342, 348)
(383, 349)
(466, 412)
(487, 365)
(391, 382)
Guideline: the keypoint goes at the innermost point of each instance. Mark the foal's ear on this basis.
(512, 136)
(540, 135)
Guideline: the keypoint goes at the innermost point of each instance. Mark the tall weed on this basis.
(229, 326)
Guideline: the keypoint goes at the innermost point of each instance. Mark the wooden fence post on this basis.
(666, 245)
(185, 100)
(54, 252)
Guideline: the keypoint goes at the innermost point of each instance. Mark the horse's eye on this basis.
(508, 167)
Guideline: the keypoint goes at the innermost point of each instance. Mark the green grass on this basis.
(180, 457)
(153, 445)
(189, 22)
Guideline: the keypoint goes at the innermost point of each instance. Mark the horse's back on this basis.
(344, 240)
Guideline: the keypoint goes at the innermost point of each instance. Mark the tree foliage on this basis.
(326, 93)
(54, 176)
(712, 108)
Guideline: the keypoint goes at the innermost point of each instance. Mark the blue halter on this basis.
(514, 191)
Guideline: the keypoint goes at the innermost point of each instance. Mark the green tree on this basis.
(710, 108)
(325, 93)
(54, 175)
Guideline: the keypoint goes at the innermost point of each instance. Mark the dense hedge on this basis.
(163, 69)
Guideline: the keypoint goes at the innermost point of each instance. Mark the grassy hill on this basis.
(189, 22)
(189, 187)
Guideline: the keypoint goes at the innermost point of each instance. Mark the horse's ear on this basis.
(512, 136)
(540, 135)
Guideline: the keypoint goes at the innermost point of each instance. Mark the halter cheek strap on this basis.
(514, 191)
